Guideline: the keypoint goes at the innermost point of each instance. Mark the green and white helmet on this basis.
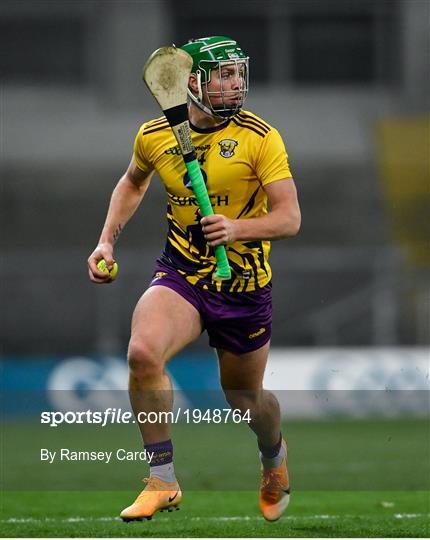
(211, 53)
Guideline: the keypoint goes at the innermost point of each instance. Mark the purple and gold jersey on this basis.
(237, 160)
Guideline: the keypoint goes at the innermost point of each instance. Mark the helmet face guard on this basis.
(222, 102)
(221, 55)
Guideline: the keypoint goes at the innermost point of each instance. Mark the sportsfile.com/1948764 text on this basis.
(118, 416)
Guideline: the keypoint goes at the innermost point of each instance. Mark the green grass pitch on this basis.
(218, 514)
(350, 479)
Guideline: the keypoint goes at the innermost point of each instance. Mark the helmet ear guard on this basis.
(199, 85)
(199, 99)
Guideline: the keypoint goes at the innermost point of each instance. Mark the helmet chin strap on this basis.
(200, 104)
(207, 110)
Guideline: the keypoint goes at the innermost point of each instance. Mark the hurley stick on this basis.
(166, 74)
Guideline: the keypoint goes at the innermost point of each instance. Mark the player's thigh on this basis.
(164, 322)
(243, 371)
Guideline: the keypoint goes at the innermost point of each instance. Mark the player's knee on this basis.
(144, 360)
(243, 400)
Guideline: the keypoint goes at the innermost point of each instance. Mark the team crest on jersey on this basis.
(227, 147)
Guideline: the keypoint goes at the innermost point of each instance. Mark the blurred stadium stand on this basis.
(346, 83)
(404, 155)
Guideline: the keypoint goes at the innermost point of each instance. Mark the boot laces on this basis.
(271, 481)
(152, 484)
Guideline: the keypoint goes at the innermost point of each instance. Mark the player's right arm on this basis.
(125, 199)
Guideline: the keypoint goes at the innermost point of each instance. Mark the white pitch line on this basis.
(81, 519)
(409, 516)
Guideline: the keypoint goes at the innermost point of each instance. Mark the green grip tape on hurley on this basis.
(201, 193)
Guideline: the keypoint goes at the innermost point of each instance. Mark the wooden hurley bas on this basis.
(166, 74)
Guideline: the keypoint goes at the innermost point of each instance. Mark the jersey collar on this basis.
(210, 129)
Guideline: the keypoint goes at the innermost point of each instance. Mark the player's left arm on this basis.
(282, 221)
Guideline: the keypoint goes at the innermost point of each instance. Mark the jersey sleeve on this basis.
(139, 153)
(272, 163)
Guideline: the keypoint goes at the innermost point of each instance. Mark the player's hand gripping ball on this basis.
(101, 265)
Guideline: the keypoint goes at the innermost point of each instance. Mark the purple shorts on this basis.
(237, 322)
